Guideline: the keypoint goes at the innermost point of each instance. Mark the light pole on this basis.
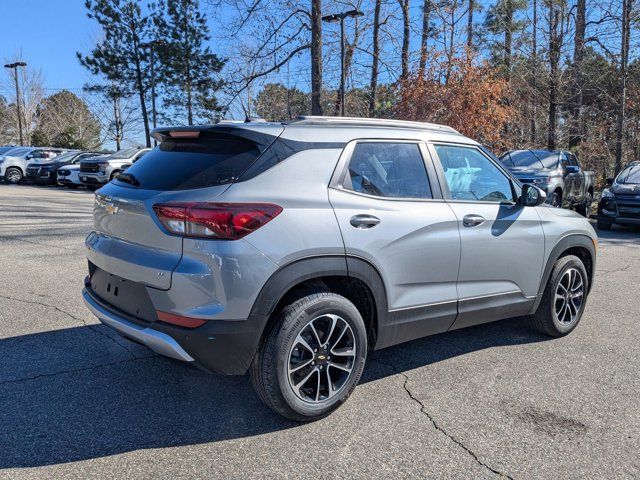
(339, 17)
(151, 46)
(15, 66)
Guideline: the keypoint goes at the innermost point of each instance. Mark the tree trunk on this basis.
(534, 55)
(350, 49)
(508, 37)
(554, 60)
(575, 104)
(424, 40)
(141, 89)
(373, 86)
(406, 33)
(316, 56)
(622, 90)
(470, 25)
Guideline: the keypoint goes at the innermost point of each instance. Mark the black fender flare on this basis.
(566, 243)
(309, 268)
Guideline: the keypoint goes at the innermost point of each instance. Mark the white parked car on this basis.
(13, 164)
(69, 176)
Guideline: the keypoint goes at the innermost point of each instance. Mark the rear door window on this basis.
(214, 158)
(387, 169)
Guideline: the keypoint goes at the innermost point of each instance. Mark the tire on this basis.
(547, 319)
(603, 224)
(13, 175)
(556, 200)
(283, 350)
(585, 208)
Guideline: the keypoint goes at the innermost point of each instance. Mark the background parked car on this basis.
(13, 165)
(5, 148)
(556, 172)
(100, 170)
(45, 173)
(620, 202)
(69, 176)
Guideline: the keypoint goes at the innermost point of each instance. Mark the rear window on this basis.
(185, 163)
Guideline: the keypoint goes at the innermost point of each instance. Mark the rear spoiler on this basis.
(256, 131)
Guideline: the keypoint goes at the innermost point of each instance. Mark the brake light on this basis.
(222, 221)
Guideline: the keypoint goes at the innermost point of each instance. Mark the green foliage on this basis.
(275, 102)
(187, 66)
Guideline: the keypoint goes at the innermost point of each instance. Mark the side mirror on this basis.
(29, 157)
(571, 169)
(532, 196)
(609, 181)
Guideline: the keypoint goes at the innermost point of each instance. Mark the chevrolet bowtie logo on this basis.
(110, 208)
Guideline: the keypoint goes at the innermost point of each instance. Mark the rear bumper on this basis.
(219, 346)
(157, 341)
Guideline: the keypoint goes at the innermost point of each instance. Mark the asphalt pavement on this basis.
(499, 400)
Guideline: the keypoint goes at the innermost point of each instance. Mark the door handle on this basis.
(364, 221)
(472, 220)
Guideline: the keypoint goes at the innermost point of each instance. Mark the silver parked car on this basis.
(97, 171)
(291, 250)
(13, 163)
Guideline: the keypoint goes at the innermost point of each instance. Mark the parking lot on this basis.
(77, 401)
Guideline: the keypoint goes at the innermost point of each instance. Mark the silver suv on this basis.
(291, 250)
(97, 171)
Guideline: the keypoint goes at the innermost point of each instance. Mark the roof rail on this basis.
(372, 122)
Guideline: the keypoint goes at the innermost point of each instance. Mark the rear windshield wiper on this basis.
(128, 178)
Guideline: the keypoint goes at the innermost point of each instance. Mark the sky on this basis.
(47, 34)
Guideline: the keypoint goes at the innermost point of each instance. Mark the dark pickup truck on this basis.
(556, 172)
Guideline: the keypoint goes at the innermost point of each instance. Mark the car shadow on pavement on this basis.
(79, 393)
(620, 235)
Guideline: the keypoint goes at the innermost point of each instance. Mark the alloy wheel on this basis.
(569, 297)
(321, 358)
(13, 176)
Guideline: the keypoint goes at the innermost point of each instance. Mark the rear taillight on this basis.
(222, 221)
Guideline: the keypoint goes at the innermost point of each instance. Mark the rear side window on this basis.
(386, 169)
(185, 163)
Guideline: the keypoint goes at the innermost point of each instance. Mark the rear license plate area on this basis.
(129, 297)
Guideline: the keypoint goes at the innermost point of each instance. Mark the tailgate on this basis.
(129, 241)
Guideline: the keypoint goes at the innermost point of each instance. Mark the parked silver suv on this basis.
(96, 171)
(290, 250)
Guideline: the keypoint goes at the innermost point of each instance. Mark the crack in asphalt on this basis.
(32, 242)
(435, 424)
(92, 327)
(75, 370)
(615, 270)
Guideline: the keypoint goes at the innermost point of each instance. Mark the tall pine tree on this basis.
(120, 57)
(188, 67)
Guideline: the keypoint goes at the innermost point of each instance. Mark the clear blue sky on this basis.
(48, 32)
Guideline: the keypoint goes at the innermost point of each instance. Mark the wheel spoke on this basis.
(330, 388)
(334, 322)
(344, 330)
(343, 352)
(299, 367)
(340, 367)
(305, 379)
(315, 332)
(318, 389)
(300, 339)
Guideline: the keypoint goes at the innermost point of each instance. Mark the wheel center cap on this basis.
(322, 356)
